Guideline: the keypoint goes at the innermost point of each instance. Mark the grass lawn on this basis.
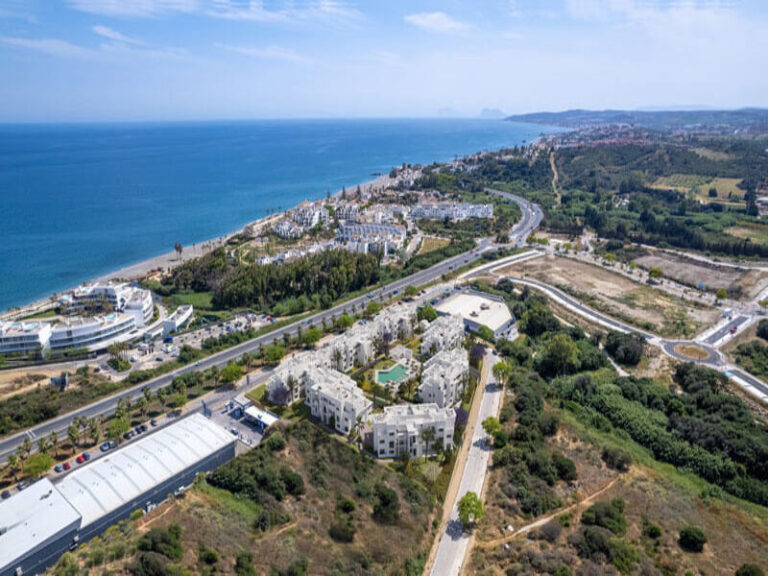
(754, 231)
(432, 243)
(47, 314)
(682, 182)
(200, 300)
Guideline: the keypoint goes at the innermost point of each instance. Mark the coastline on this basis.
(168, 260)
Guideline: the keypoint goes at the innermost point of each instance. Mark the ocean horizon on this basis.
(82, 200)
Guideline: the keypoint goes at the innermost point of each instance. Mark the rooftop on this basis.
(477, 308)
(103, 486)
(30, 518)
(409, 414)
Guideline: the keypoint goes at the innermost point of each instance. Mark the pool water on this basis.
(396, 374)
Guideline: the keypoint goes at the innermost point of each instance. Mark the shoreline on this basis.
(169, 260)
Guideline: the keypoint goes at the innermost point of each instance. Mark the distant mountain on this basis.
(492, 113)
(655, 120)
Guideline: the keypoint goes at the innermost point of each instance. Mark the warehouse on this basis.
(37, 526)
(40, 523)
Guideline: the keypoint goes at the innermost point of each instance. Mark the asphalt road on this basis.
(454, 541)
(725, 330)
(106, 406)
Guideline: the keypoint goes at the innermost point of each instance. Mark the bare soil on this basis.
(22, 380)
(617, 295)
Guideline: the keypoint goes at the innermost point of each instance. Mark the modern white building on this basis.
(287, 230)
(415, 429)
(480, 309)
(396, 321)
(180, 316)
(24, 338)
(444, 333)
(347, 212)
(289, 381)
(335, 399)
(444, 377)
(452, 210)
(370, 238)
(344, 352)
(308, 215)
(119, 296)
(92, 333)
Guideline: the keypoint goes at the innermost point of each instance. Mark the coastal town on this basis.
(476, 329)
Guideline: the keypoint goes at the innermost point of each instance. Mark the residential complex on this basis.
(415, 429)
(451, 210)
(444, 333)
(370, 238)
(444, 377)
(175, 321)
(92, 332)
(335, 399)
(24, 338)
(289, 381)
(109, 297)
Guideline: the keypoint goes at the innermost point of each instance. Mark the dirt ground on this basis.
(20, 380)
(617, 295)
(738, 281)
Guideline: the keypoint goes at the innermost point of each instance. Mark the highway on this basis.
(106, 406)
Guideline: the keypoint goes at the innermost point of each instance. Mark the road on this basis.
(454, 541)
(106, 406)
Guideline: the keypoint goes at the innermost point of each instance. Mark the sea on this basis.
(78, 201)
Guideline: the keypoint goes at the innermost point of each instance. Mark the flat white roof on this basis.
(30, 518)
(263, 416)
(103, 486)
(477, 308)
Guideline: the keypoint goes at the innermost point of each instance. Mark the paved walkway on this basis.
(454, 541)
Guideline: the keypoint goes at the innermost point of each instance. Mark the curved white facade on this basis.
(97, 332)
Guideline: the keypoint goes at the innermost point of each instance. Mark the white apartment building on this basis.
(412, 428)
(120, 296)
(398, 321)
(444, 333)
(92, 333)
(347, 212)
(24, 338)
(308, 215)
(344, 352)
(287, 230)
(370, 238)
(444, 377)
(452, 210)
(335, 399)
(289, 381)
(176, 320)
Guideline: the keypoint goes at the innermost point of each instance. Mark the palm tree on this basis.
(162, 396)
(428, 436)
(94, 430)
(13, 465)
(26, 446)
(54, 441)
(291, 383)
(215, 375)
(73, 433)
(179, 249)
(147, 391)
(337, 357)
(43, 445)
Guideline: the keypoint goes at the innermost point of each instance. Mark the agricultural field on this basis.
(614, 294)
(681, 182)
(740, 282)
(306, 503)
(754, 231)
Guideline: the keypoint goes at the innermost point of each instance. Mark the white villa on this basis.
(444, 333)
(444, 377)
(335, 399)
(412, 428)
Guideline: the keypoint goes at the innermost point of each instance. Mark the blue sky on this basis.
(71, 60)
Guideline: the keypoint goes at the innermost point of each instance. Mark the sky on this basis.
(128, 60)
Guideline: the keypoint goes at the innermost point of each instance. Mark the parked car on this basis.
(105, 446)
(153, 422)
(5, 494)
(66, 465)
(159, 359)
(130, 434)
(21, 485)
(80, 459)
(58, 468)
(143, 427)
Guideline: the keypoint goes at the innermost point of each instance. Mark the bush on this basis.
(551, 531)
(616, 458)
(762, 329)
(163, 541)
(651, 531)
(692, 539)
(207, 556)
(244, 564)
(151, 564)
(342, 529)
(275, 442)
(566, 469)
(626, 349)
(386, 507)
(609, 515)
(749, 570)
(294, 483)
(346, 505)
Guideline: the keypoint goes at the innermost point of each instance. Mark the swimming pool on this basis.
(394, 375)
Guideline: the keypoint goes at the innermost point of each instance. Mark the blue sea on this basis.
(79, 201)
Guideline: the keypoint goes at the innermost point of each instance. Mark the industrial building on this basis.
(480, 309)
(42, 522)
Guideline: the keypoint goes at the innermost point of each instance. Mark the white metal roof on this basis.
(106, 484)
(30, 518)
(267, 418)
(477, 308)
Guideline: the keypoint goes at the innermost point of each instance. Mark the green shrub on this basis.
(692, 539)
(609, 515)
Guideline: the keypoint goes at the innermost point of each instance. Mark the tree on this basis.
(142, 405)
(54, 441)
(344, 322)
(162, 396)
(43, 445)
(13, 465)
(410, 291)
(428, 435)
(485, 333)
(427, 313)
(73, 433)
(560, 356)
(178, 248)
(492, 426)
(37, 464)
(749, 570)
(117, 427)
(386, 506)
(231, 373)
(655, 272)
(501, 372)
(373, 308)
(311, 337)
(94, 429)
(274, 353)
(721, 294)
(470, 509)
(692, 539)
(147, 391)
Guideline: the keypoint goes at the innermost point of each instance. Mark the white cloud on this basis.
(438, 22)
(51, 47)
(134, 8)
(117, 36)
(266, 53)
(327, 11)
